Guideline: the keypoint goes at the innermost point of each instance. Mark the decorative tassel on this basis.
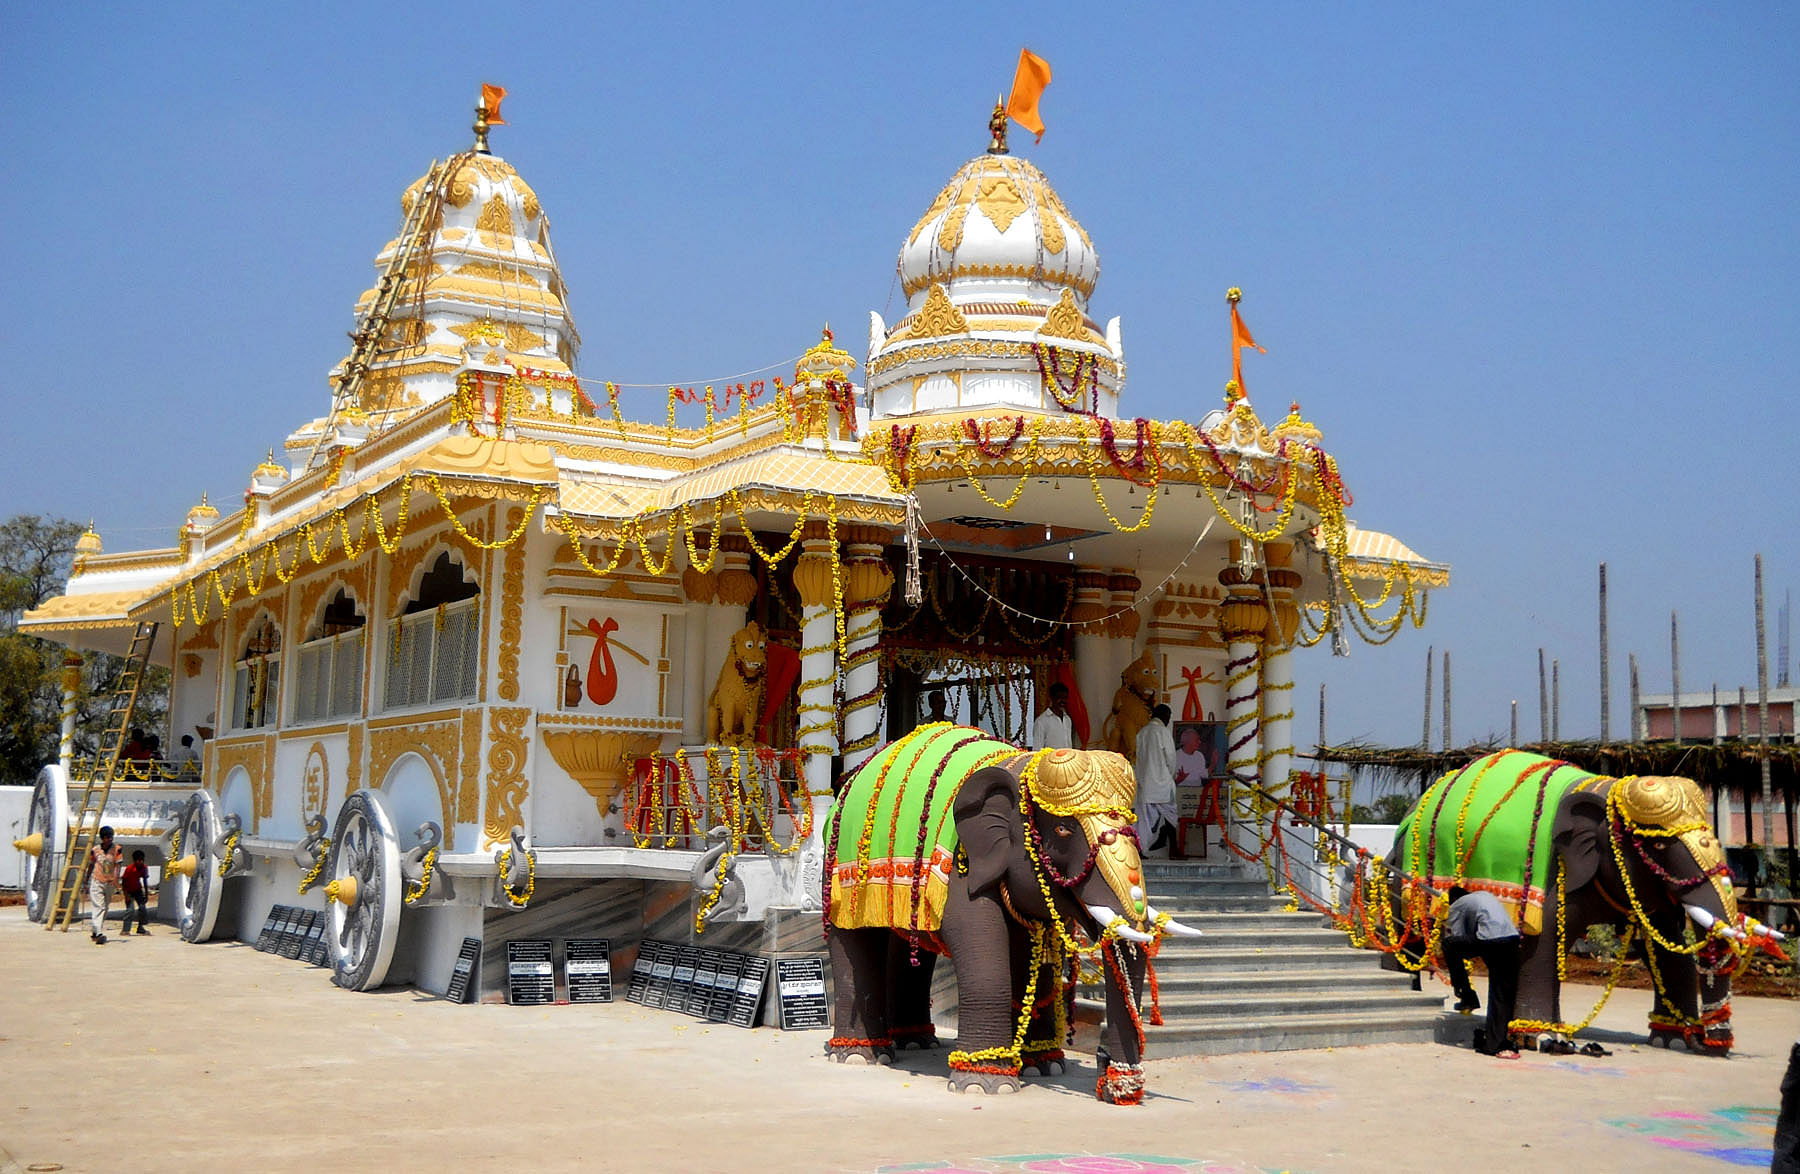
(914, 591)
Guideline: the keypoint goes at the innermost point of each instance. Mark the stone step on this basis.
(1179, 1037)
(1182, 904)
(1161, 888)
(1191, 981)
(1257, 921)
(1197, 869)
(1212, 955)
(1187, 1006)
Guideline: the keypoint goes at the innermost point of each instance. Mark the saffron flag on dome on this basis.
(1028, 86)
(490, 101)
(1240, 338)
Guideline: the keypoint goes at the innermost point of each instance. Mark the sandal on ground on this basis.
(1593, 1049)
(1507, 1054)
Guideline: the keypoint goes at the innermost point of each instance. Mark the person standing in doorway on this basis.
(104, 859)
(1053, 730)
(934, 704)
(1477, 926)
(1155, 767)
(134, 882)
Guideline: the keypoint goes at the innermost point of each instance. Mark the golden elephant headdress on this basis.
(1098, 789)
(1673, 806)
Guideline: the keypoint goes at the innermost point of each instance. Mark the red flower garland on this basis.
(1087, 370)
(978, 432)
(1110, 446)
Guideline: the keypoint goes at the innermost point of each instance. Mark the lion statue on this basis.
(737, 700)
(1130, 707)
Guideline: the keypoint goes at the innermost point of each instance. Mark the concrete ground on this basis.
(148, 1054)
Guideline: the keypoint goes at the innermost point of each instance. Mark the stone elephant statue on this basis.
(1635, 852)
(948, 841)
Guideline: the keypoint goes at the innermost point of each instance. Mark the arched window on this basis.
(327, 677)
(434, 652)
(256, 683)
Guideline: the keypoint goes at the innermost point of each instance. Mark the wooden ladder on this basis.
(96, 785)
(371, 332)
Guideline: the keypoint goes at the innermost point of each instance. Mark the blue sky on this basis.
(1532, 268)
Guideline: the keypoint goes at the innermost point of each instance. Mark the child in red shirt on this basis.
(135, 883)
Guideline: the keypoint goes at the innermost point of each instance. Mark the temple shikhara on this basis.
(479, 656)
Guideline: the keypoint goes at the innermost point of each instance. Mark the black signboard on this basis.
(530, 975)
(662, 973)
(639, 988)
(729, 968)
(587, 963)
(315, 950)
(265, 941)
(681, 983)
(463, 976)
(746, 1004)
(294, 936)
(800, 987)
(700, 992)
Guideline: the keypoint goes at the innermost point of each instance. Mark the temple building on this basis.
(478, 652)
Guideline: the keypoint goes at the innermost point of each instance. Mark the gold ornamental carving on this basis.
(699, 586)
(938, 316)
(600, 760)
(253, 755)
(203, 637)
(315, 781)
(1000, 201)
(737, 586)
(469, 784)
(1049, 226)
(515, 336)
(506, 782)
(867, 580)
(1065, 320)
(191, 664)
(1243, 619)
(812, 579)
(353, 763)
(937, 207)
(951, 234)
(495, 217)
(913, 351)
(512, 609)
(530, 201)
(437, 744)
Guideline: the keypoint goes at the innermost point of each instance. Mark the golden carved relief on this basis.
(1082, 285)
(437, 744)
(599, 761)
(950, 235)
(938, 317)
(1050, 229)
(530, 200)
(999, 201)
(511, 275)
(968, 348)
(1065, 320)
(190, 664)
(512, 610)
(1046, 196)
(506, 782)
(353, 764)
(470, 783)
(932, 213)
(462, 188)
(495, 217)
(411, 194)
(315, 781)
(203, 637)
(253, 755)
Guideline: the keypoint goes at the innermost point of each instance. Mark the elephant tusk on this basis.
(1761, 930)
(1170, 926)
(1701, 917)
(1110, 922)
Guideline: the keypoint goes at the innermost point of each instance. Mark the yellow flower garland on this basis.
(312, 877)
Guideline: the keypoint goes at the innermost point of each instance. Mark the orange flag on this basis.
(490, 99)
(1028, 86)
(1240, 338)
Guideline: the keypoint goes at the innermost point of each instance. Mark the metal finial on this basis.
(481, 127)
(997, 127)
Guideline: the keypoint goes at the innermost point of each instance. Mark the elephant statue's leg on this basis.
(1043, 1053)
(859, 1019)
(976, 931)
(1120, 1056)
(1540, 991)
(1688, 1007)
(909, 977)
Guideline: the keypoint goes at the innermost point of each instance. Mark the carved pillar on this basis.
(867, 583)
(71, 689)
(1278, 669)
(1243, 619)
(735, 587)
(816, 736)
(1095, 673)
(701, 589)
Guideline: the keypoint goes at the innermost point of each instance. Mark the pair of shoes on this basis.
(1468, 1004)
(99, 939)
(143, 931)
(1558, 1047)
(1593, 1049)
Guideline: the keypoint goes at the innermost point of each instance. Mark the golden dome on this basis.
(1295, 428)
(269, 468)
(88, 543)
(202, 515)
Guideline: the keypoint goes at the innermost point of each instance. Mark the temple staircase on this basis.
(1265, 980)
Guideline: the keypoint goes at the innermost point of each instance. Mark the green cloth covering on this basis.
(883, 897)
(1495, 855)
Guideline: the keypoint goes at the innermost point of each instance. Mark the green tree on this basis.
(1392, 808)
(35, 556)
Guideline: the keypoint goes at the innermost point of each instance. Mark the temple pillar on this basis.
(734, 590)
(1277, 675)
(1095, 674)
(1243, 620)
(71, 693)
(819, 581)
(868, 581)
(1122, 619)
(702, 590)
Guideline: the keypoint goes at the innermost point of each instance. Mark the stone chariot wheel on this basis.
(198, 867)
(46, 839)
(364, 893)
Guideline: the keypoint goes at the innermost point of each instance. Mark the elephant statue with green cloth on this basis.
(1564, 850)
(950, 842)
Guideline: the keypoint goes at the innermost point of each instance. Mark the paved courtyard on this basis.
(148, 1054)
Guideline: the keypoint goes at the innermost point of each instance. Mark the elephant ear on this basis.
(989, 825)
(1579, 833)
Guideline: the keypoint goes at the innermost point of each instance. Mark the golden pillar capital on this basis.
(812, 571)
(736, 582)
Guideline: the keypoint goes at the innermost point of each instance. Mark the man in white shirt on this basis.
(1053, 729)
(1155, 767)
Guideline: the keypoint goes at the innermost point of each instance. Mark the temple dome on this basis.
(997, 276)
(999, 228)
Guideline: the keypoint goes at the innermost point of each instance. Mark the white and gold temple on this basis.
(474, 595)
